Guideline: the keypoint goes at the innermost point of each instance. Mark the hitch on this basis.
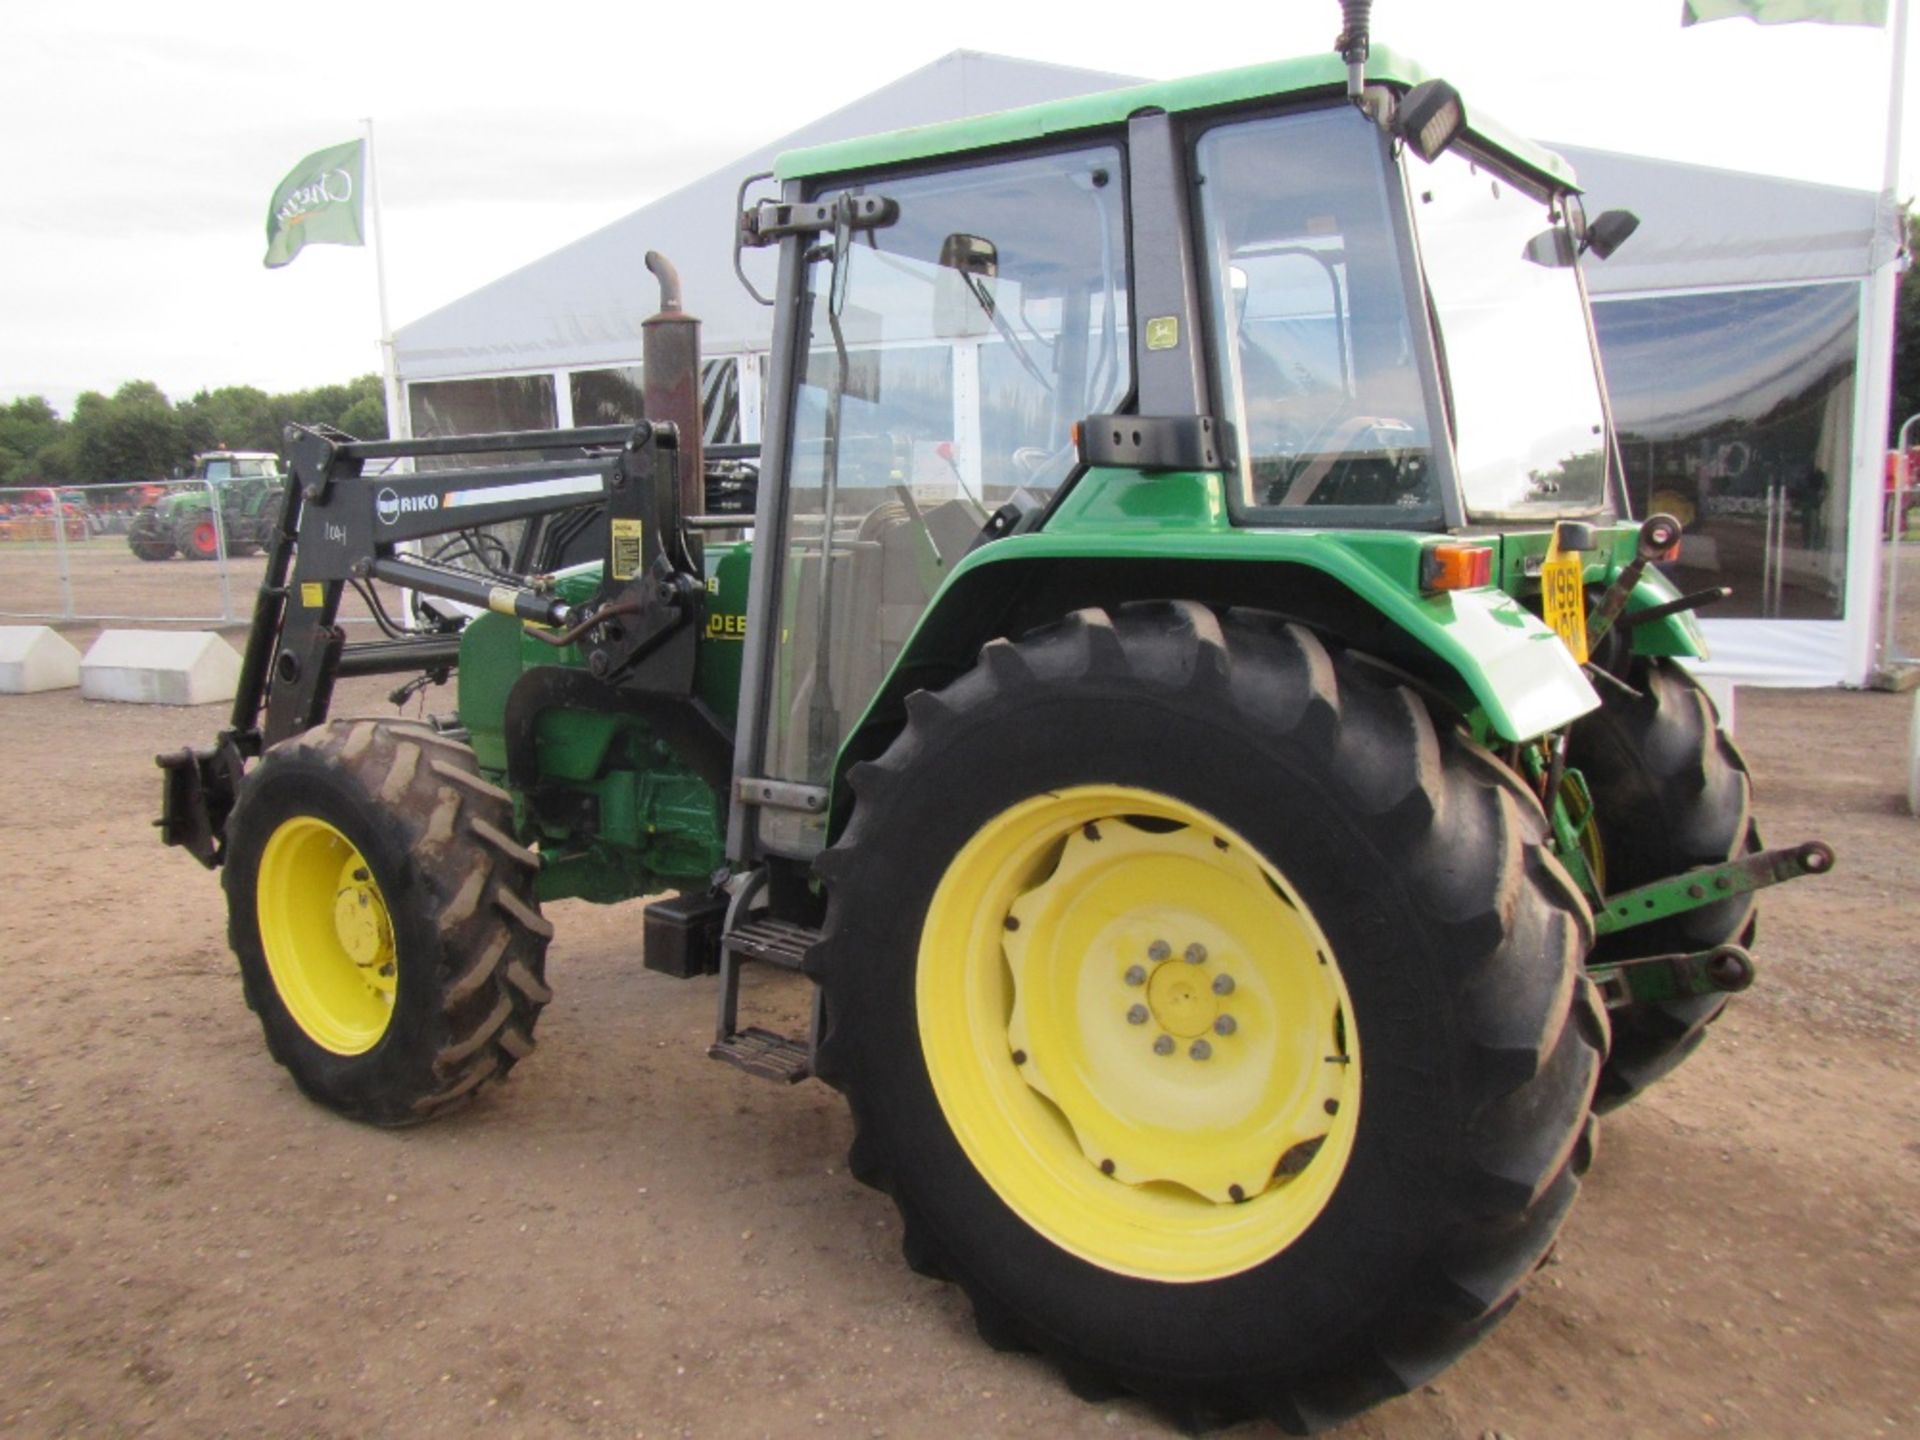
(198, 795)
(1722, 970)
(1711, 884)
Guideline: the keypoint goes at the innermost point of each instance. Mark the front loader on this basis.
(1192, 699)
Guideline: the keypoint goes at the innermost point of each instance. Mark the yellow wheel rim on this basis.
(327, 935)
(1138, 1033)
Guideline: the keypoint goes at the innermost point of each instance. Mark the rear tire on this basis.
(385, 921)
(1670, 792)
(1188, 749)
(196, 539)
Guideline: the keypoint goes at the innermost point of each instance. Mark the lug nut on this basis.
(1200, 1050)
(1223, 984)
(1224, 1025)
(1136, 975)
(1158, 951)
(1164, 1045)
(1137, 1015)
(1196, 954)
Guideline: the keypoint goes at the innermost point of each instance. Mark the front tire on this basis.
(385, 921)
(1344, 1190)
(1670, 792)
(149, 538)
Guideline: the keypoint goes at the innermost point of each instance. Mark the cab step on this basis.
(761, 1052)
(771, 942)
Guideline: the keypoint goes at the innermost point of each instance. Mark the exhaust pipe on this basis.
(670, 379)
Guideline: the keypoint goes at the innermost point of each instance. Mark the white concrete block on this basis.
(36, 657)
(160, 667)
(1719, 690)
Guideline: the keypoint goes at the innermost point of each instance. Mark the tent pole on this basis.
(1866, 637)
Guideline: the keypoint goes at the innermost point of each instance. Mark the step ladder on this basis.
(755, 1050)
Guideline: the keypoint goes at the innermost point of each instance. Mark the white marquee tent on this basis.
(1732, 325)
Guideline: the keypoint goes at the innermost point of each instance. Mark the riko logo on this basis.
(390, 507)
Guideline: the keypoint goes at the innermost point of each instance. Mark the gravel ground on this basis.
(627, 1239)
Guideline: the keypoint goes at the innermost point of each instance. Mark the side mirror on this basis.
(1609, 230)
(971, 255)
(963, 300)
(1552, 249)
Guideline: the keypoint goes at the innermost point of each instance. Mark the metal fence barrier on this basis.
(167, 552)
(157, 552)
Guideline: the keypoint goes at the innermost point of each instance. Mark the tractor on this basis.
(183, 522)
(1192, 698)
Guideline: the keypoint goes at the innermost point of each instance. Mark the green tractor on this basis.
(183, 522)
(1192, 699)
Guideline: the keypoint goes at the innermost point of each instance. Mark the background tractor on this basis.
(181, 522)
(1193, 701)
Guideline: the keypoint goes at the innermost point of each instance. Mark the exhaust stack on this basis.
(670, 380)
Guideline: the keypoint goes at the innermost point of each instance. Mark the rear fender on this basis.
(1480, 651)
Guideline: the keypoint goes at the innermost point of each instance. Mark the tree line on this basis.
(138, 434)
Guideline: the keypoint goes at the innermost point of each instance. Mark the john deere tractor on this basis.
(1192, 699)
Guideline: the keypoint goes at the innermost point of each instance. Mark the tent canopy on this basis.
(1704, 228)
(583, 304)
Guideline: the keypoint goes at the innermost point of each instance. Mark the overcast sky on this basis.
(143, 141)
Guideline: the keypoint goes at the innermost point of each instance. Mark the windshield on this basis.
(1326, 417)
(949, 355)
(1529, 429)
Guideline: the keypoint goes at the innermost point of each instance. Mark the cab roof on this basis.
(1306, 75)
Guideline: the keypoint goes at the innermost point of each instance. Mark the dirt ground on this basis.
(628, 1239)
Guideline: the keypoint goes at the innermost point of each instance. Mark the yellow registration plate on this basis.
(1563, 598)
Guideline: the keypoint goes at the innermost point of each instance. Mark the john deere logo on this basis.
(390, 507)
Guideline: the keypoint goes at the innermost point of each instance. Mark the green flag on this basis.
(317, 204)
(1785, 12)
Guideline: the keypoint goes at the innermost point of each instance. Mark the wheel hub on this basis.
(1180, 999)
(1173, 1007)
(363, 927)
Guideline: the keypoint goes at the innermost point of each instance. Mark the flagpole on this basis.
(1883, 288)
(1890, 183)
(397, 426)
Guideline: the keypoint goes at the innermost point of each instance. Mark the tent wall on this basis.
(1733, 331)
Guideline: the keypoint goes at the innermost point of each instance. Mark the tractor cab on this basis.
(1326, 312)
